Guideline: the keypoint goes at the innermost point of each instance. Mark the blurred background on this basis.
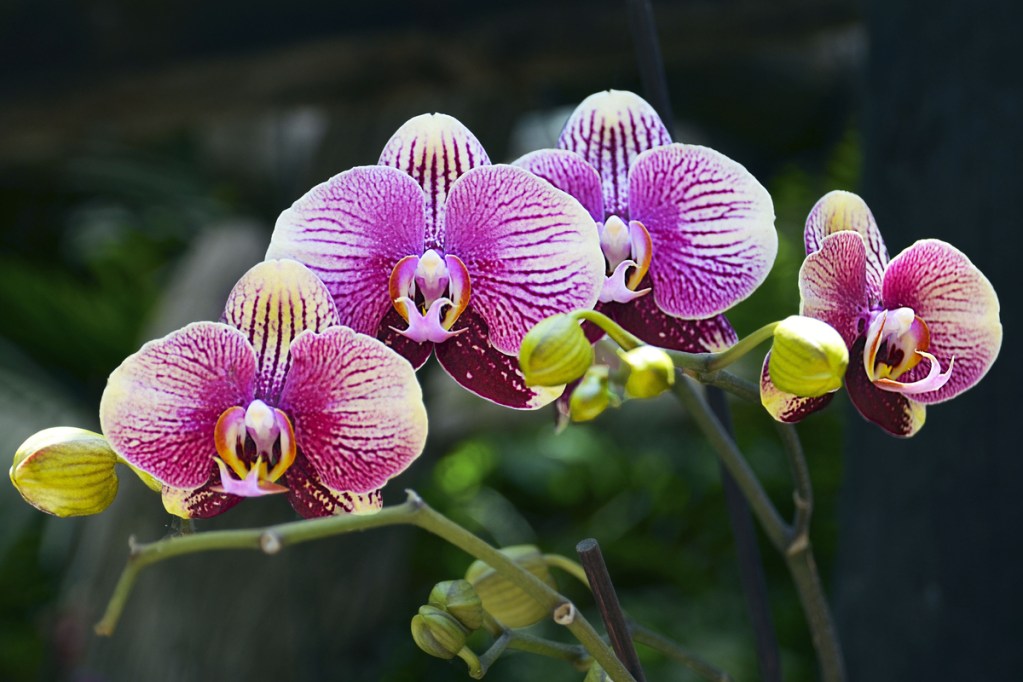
(147, 148)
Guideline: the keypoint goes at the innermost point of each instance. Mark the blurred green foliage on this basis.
(84, 254)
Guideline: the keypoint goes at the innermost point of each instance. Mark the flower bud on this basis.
(808, 358)
(650, 371)
(503, 599)
(458, 598)
(436, 632)
(592, 396)
(555, 352)
(596, 674)
(66, 471)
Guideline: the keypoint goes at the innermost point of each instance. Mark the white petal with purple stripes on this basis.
(351, 231)
(839, 211)
(610, 129)
(570, 173)
(160, 407)
(357, 409)
(833, 284)
(531, 250)
(712, 226)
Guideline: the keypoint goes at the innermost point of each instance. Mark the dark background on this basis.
(146, 149)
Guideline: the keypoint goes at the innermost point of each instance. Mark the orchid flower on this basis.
(275, 398)
(686, 233)
(436, 249)
(921, 327)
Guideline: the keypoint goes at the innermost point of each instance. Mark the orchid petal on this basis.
(570, 173)
(489, 373)
(271, 304)
(311, 498)
(958, 304)
(435, 150)
(610, 129)
(833, 284)
(893, 412)
(840, 211)
(460, 288)
(203, 502)
(712, 227)
(161, 406)
(934, 380)
(643, 318)
(356, 407)
(530, 249)
(642, 252)
(786, 407)
(351, 231)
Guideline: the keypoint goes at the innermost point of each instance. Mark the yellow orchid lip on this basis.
(430, 292)
(256, 444)
(897, 340)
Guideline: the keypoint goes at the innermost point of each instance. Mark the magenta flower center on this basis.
(430, 292)
(897, 340)
(255, 446)
(627, 250)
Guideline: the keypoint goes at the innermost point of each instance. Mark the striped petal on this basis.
(312, 499)
(840, 211)
(893, 412)
(489, 373)
(351, 231)
(272, 304)
(570, 173)
(643, 318)
(357, 409)
(160, 407)
(712, 227)
(786, 407)
(203, 502)
(531, 250)
(610, 129)
(434, 149)
(833, 285)
(960, 308)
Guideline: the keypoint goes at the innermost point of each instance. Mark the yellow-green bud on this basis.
(592, 396)
(650, 371)
(596, 674)
(436, 632)
(458, 598)
(555, 352)
(66, 471)
(808, 358)
(502, 598)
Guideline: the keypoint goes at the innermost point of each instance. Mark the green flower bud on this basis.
(503, 599)
(458, 598)
(555, 352)
(66, 471)
(650, 371)
(436, 632)
(592, 396)
(808, 358)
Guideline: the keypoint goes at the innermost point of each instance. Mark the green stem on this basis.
(803, 569)
(414, 511)
(574, 654)
(770, 520)
(658, 642)
(573, 568)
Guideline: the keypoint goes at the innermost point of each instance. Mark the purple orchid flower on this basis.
(921, 328)
(276, 391)
(437, 250)
(686, 233)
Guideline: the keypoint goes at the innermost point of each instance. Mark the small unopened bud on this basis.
(504, 600)
(66, 471)
(458, 598)
(592, 396)
(650, 371)
(436, 632)
(808, 358)
(555, 352)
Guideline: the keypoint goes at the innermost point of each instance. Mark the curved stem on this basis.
(414, 511)
(647, 637)
(573, 653)
(803, 569)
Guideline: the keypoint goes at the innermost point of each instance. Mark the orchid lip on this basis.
(256, 446)
(423, 328)
(897, 340)
(628, 251)
(441, 285)
(934, 380)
